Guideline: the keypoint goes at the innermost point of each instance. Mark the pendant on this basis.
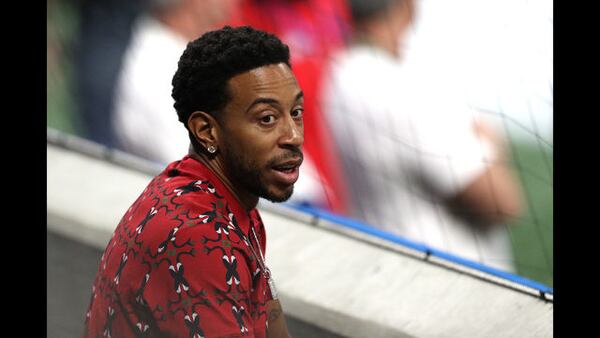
(272, 287)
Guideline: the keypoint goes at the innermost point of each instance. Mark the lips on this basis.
(287, 172)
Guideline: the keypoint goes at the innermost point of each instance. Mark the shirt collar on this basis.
(197, 170)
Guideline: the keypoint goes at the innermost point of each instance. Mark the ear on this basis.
(205, 129)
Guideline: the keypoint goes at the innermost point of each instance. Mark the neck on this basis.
(215, 164)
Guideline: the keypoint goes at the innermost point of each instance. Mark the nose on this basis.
(292, 133)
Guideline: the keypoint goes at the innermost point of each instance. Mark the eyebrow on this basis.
(268, 100)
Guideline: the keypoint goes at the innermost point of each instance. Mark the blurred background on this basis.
(109, 65)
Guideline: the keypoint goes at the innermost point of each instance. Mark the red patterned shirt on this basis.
(180, 263)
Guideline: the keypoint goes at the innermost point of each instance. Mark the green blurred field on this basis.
(62, 24)
(532, 234)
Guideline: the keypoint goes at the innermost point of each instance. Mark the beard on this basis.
(246, 172)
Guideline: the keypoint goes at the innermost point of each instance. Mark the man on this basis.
(187, 259)
(418, 163)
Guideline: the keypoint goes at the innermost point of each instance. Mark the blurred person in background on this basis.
(187, 258)
(418, 163)
(105, 28)
(142, 108)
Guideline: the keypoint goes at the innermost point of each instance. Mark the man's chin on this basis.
(278, 196)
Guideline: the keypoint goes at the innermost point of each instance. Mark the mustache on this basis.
(290, 154)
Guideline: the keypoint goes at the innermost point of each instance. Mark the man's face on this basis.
(263, 132)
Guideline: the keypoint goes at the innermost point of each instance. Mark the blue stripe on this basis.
(365, 228)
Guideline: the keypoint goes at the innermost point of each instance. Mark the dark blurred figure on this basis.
(313, 29)
(104, 33)
(419, 163)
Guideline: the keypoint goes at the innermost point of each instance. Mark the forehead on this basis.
(272, 80)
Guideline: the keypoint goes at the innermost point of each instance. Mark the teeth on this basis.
(285, 168)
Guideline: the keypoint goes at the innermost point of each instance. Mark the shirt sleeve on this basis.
(450, 154)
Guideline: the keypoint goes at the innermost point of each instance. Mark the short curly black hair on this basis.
(207, 64)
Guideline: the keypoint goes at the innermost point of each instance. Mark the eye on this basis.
(297, 113)
(267, 119)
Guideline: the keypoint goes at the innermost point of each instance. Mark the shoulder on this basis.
(152, 47)
(361, 75)
(185, 196)
(176, 202)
